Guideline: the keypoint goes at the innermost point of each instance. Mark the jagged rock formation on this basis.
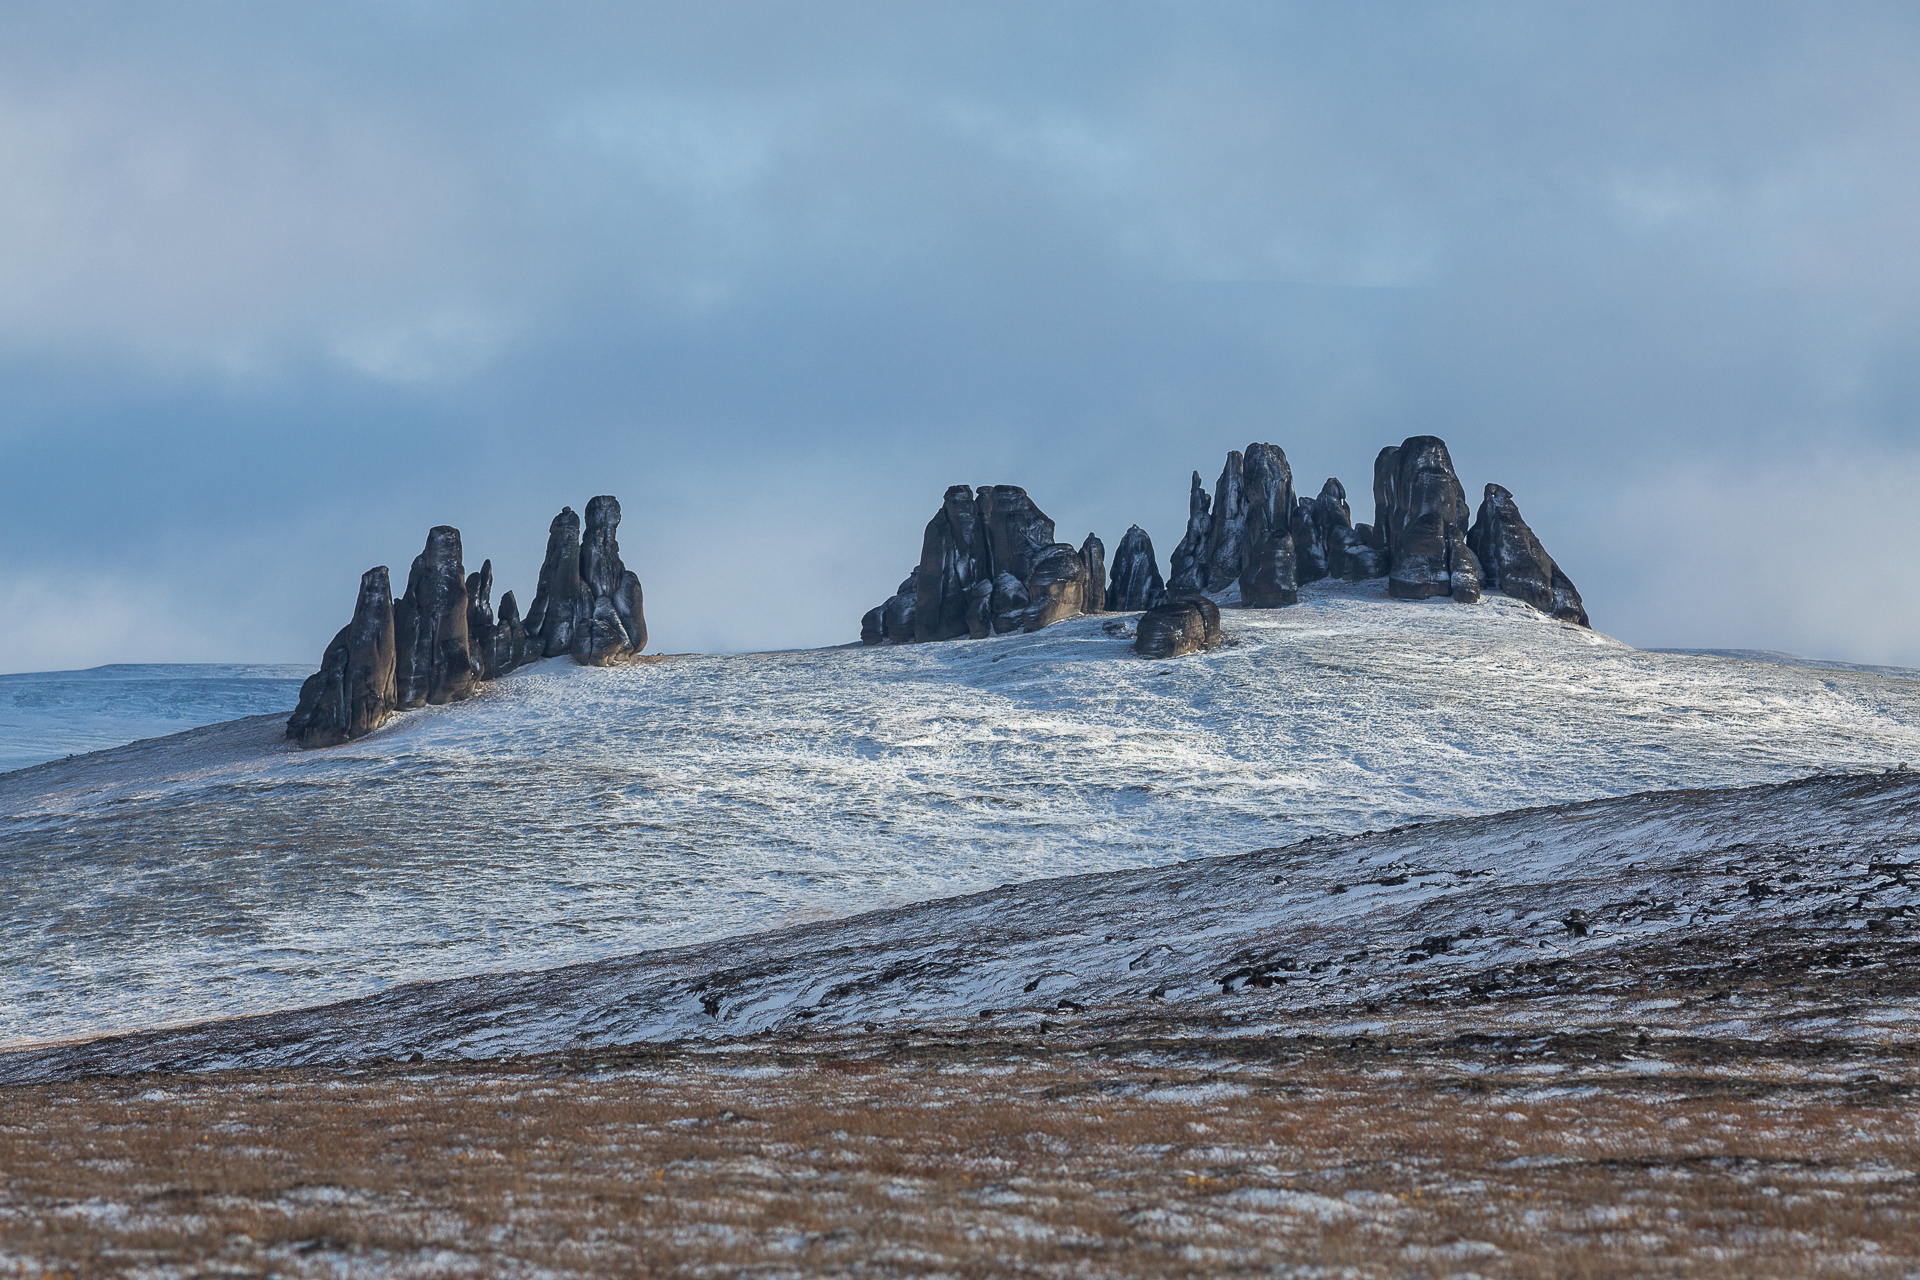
(1184, 625)
(1135, 583)
(557, 592)
(1514, 562)
(1316, 541)
(953, 557)
(1420, 511)
(1186, 568)
(352, 692)
(1226, 551)
(609, 622)
(1268, 572)
(587, 603)
(442, 638)
(499, 644)
(1351, 554)
(988, 564)
(432, 658)
(1093, 554)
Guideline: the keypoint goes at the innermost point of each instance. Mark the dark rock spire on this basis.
(556, 596)
(1135, 583)
(953, 557)
(1515, 563)
(433, 661)
(1420, 511)
(1186, 568)
(1093, 554)
(1268, 573)
(353, 691)
(609, 621)
(1226, 550)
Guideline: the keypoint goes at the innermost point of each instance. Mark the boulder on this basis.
(1185, 625)
(1513, 561)
(953, 557)
(1093, 554)
(1420, 506)
(1135, 583)
(609, 621)
(510, 644)
(1317, 547)
(1226, 550)
(1267, 572)
(1186, 568)
(433, 660)
(353, 691)
(873, 625)
(556, 596)
(1056, 587)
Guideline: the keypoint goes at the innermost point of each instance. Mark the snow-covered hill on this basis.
(571, 813)
(45, 715)
(1567, 912)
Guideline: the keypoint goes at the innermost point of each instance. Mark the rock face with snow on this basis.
(988, 565)
(352, 692)
(433, 660)
(1188, 624)
(1514, 562)
(1226, 551)
(1420, 514)
(1135, 583)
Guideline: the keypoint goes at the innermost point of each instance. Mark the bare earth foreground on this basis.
(1663, 1034)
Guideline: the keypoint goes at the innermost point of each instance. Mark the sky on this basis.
(282, 286)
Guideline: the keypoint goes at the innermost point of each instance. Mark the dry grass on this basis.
(1001, 1165)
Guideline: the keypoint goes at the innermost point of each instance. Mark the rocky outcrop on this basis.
(442, 638)
(1351, 554)
(353, 691)
(1187, 567)
(1268, 573)
(1185, 625)
(953, 557)
(609, 621)
(433, 661)
(1513, 561)
(498, 644)
(587, 603)
(1420, 511)
(556, 595)
(1226, 551)
(1135, 583)
(1317, 522)
(988, 565)
(1093, 554)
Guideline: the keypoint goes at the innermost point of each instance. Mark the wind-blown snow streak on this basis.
(1324, 922)
(569, 813)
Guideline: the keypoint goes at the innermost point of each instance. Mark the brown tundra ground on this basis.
(1145, 1149)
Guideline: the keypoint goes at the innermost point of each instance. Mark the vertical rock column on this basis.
(556, 596)
(609, 621)
(1268, 573)
(1421, 512)
(353, 691)
(1136, 582)
(433, 660)
(1516, 564)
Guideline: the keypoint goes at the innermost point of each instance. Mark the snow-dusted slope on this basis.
(570, 813)
(1283, 936)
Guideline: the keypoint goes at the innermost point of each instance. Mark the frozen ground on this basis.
(45, 715)
(570, 813)
(1652, 910)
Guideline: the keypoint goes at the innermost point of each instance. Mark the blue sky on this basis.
(283, 286)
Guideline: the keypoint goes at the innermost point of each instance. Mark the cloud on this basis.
(317, 279)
